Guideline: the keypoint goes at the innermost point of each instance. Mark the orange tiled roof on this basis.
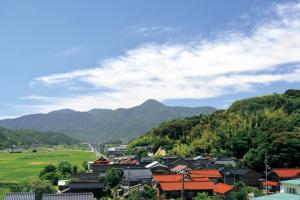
(210, 173)
(102, 161)
(222, 188)
(167, 178)
(129, 161)
(286, 172)
(200, 179)
(192, 185)
(270, 183)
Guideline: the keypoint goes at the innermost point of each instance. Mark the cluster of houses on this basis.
(175, 177)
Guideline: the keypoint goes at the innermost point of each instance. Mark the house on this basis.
(229, 162)
(278, 196)
(212, 174)
(134, 176)
(129, 161)
(160, 152)
(68, 196)
(191, 188)
(279, 174)
(246, 176)
(180, 169)
(291, 186)
(118, 150)
(144, 161)
(19, 196)
(223, 190)
(273, 186)
(86, 183)
(102, 161)
(172, 162)
(158, 168)
(290, 190)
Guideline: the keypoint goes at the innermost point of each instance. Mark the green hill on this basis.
(247, 130)
(8, 138)
(101, 125)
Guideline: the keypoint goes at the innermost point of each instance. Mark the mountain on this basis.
(100, 125)
(248, 130)
(8, 138)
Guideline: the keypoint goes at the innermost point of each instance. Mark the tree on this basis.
(202, 196)
(52, 177)
(65, 168)
(48, 169)
(242, 192)
(148, 193)
(85, 165)
(113, 177)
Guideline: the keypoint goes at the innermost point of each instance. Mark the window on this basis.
(291, 190)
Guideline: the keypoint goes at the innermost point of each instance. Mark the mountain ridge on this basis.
(105, 124)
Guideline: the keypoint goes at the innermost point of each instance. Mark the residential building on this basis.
(279, 174)
(134, 176)
(69, 196)
(223, 190)
(19, 196)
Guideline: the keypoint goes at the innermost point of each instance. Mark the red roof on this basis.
(270, 183)
(210, 173)
(102, 161)
(286, 172)
(129, 161)
(200, 179)
(192, 185)
(222, 188)
(167, 178)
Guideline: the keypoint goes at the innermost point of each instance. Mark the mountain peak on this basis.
(152, 102)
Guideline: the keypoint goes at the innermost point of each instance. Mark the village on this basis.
(170, 177)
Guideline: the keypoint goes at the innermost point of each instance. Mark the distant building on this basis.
(117, 150)
(160, 152)
(226, 162)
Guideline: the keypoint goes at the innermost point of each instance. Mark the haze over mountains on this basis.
(105, 124)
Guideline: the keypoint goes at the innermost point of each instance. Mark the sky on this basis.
(82, 55)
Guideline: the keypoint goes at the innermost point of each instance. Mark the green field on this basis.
(15, 167)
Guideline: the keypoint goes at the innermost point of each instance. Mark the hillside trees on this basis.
(247, 130)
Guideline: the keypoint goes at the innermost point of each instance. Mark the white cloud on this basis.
(8, 117)
(154, 30)
(235, 62)
(70, 51)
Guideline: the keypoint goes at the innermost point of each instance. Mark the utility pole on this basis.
(266, 166)
(182, 187)
(138, 192)
(128, 169)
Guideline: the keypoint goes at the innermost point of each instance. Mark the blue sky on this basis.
(110, 54)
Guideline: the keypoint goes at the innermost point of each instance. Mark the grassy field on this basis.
(21, 166)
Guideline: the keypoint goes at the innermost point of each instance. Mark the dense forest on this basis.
(9, 138)
(247, 130)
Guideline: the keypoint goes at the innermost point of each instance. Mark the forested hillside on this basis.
(247, 130)
(101, 125)
(8, 138)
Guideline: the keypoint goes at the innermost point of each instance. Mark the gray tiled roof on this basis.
(68, 196)
(19, 196)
